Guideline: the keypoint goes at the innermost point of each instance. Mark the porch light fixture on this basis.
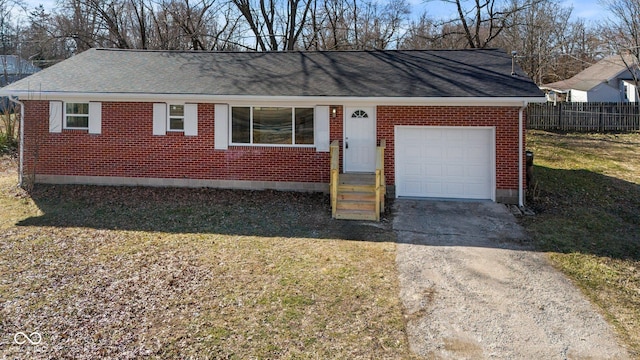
(333, 112)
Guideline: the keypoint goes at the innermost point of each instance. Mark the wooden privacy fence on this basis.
(587, 116)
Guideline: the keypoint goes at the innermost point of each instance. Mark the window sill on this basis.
(291, 148)
(286, 146)
(76, 131)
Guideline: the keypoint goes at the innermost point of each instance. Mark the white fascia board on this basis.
(561, 91)
(277, 100)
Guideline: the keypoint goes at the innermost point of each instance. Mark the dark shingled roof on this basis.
(411, 73)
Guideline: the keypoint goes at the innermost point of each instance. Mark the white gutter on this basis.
(253, 99)
(521, 153)
(21, 166)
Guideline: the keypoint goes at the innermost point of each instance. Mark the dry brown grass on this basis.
(588, 203)
(176, 273)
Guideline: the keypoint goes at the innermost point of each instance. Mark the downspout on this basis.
(520, 154)
(21, 166)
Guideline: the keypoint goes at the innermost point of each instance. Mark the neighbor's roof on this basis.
(602, 71)
(14, 68)
(412, 73)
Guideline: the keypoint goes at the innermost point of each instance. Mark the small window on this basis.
(176, 118)
(76, 115)
(272, 125)
(626, 92)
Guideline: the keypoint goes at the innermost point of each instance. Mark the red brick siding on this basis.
(127, 148)
(336, 130)
(505, 120)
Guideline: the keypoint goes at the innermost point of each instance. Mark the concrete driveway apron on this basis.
(473, 290)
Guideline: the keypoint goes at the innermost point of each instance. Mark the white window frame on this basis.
(293, 125)
(169, 129)
(64, 115)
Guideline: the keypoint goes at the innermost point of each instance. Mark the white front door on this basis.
(360, 139)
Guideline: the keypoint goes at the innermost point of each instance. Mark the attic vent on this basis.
(360, 114)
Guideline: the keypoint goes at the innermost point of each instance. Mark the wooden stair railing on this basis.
(334, 153)
(381, 184)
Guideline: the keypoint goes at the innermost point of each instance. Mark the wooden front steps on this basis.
(356, 198)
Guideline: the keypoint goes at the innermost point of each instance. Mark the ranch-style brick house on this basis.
(452, 120)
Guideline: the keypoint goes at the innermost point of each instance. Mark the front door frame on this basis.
(371, 112)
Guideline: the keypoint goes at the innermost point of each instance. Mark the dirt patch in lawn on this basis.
(106, 272)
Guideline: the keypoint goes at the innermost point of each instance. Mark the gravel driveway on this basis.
(472, 290)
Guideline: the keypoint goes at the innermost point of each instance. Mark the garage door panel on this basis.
(413, 187)
(454, 188)
(413, 170)
(445, 163)
(453, 171)
(476, 155)
(454, 154)
(474, 190)
(431, 170)
(476, 172)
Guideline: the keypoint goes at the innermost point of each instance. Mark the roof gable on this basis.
(604, 70)
(412, 73)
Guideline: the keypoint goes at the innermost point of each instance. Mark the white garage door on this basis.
(444, 162)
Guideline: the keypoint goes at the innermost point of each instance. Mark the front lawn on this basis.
(587, 197)
(105, 272)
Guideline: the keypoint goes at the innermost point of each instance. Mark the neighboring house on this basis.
(608, 80)
(452, 120)
(12, 69)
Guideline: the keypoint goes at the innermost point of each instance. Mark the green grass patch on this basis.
(586, 194)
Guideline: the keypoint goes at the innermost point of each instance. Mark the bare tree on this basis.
(623, 35)
(349, 25)
(549, 44)
(205, 24)
(482, 21)
(275, 25)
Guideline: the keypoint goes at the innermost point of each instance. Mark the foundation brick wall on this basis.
(127, 148)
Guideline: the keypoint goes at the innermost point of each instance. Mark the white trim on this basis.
(239, 100)
(55, 116)
(492, 155)
(159, 119)
(190, 119)
(521, 154)
(95, 117)
(273, 145)
(321, 126)
(221, 130)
